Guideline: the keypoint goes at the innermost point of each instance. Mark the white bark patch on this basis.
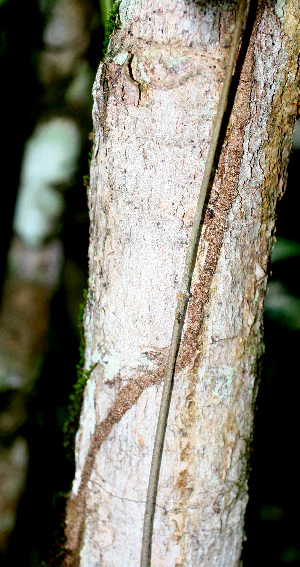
(88, 422)
(120, 58)
(279, 8)
(127, 8)
(112, 364)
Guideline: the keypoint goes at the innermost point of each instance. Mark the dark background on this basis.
(272, 524)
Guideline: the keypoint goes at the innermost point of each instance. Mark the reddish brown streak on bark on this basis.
(76, 507)
(222, 197)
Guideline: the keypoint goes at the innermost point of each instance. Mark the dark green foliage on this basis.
(58, 551)
(59, 558)
(113, 23)
(75, 400)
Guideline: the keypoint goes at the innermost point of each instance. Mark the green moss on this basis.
(86, 181)
(75, 400)
(58, 552)
(86, 178)
(113, 23)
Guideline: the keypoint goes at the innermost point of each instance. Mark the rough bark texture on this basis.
(155, 100)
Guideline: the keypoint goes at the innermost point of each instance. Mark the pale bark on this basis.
(155, 101)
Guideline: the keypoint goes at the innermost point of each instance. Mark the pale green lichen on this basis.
(143, 75)
(223, 386)
(216, 481)
(120, 58)
(209, 109)
(90, 420)
(112, 364)
(113, 361)
(96, 356)
(144, 361)
(228, 373)
(126, 8)
(279, 8)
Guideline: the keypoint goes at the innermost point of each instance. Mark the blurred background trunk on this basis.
(49, 52)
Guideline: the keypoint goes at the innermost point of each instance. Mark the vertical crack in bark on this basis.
(222, 197)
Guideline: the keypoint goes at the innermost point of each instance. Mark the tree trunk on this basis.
(155, 100)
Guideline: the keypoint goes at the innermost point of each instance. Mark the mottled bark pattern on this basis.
(155, 101)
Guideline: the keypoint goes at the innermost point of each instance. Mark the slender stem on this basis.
(184, 293)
